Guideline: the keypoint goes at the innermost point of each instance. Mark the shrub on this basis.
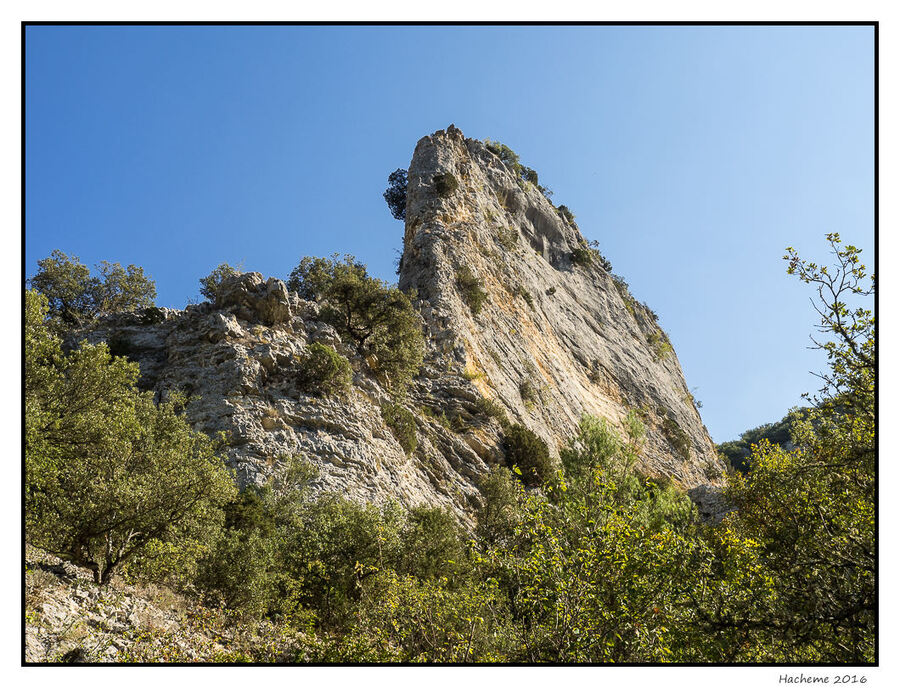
(492, 409)
(529, 454)
(209, 285)
(508, 238)
(402, 424)
(445, 184)
(566, 214)
(471, 289)
(529, 393)
(395, 194)
(676, 436)
(378, 318)
(431, 543)
(604, 261)
(529, 175)
(582, 256)
(75, 298)
(659, 344)
(525, 295)
(324, 371)
(551, 291)
(506, 154)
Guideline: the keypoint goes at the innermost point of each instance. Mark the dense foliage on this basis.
(323, 371)
(737, 452)
(395, 194)
(527, 455)
(368, 313)
(75, 297)
(111, 476)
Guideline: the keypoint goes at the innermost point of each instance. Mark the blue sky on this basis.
(693, 155)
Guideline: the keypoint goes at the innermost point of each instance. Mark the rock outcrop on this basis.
(553, 340)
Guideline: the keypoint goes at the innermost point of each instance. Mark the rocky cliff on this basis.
(556, 337)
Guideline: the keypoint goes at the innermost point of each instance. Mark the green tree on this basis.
(209, 285)
(74, 297)
(110, 475)
(810, 512)
(367, 312)
(395, 194)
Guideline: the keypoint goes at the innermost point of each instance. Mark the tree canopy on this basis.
(75, 297)
(367, 312)
(111, 476)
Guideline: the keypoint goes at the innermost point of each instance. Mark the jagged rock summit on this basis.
(554, 338)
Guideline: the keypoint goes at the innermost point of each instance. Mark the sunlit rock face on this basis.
(552, 341)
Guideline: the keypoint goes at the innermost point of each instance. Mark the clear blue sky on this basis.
(694, 155)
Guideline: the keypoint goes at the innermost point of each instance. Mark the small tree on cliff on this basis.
(209, 285)
(395, 195)
(375, 316)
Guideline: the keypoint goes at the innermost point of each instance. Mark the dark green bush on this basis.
(402, 424)
(525, 295)
(324, 371)
(395, 194)
(506, 154)
(529, 453)
(471, 289)
(445, 184)
(431, 544)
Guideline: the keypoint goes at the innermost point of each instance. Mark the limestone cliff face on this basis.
(552, 341)
(549, 327)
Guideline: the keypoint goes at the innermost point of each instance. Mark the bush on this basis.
(378, 318)
(324, 371)
(566, 214)
(395, 195)
(582, 256)
(529, 453)
(676, 436)
(445, 184)
(209, 285)
(75, 298)
(525, 295)
(492, 409)
(506, 154)
(471, 289)
(529, 393)
(402, 424)
(529, 175)
(508, 238)
(659, 344)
